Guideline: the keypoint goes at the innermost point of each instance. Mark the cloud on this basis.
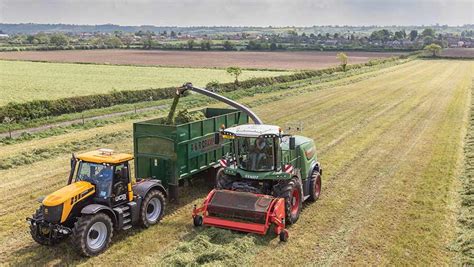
(239, 12)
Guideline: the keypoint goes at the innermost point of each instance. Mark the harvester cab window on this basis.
(256, 154)
(98, 174)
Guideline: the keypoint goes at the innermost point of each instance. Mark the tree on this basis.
(228, 45)
(413, 35)
(191, 44)
(234, 71)
(343, 59)
(59, 39)
(273, 47)
(206, 45)
(428, 32)
(113, 42)
(173, 34)
(428, 40)
(400, 35)
(434, 49)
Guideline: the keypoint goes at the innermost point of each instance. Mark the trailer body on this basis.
(171, 153)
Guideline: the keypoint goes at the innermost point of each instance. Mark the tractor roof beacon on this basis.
(99, 199)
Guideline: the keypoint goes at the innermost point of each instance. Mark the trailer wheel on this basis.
(223, 181)
(41, 236)
(197, 220)
(291, 192)
(152, 209)
(284, 235)
(315, 187)
(92, 233)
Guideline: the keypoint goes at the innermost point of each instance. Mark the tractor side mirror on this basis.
(292, 143)
(217, 138)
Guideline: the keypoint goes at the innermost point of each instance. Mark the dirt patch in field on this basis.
(458, 52)
(271, 60)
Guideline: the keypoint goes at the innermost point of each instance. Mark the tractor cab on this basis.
(257, 146)
(109, 173)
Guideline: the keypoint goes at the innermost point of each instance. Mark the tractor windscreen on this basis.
(255, 153)
(98, 174)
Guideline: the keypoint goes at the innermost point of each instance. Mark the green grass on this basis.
(390, 146)
(22, 81)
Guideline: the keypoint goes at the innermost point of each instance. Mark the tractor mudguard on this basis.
(95, 208)
(142, 187)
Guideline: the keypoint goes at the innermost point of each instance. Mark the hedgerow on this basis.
(45, 108)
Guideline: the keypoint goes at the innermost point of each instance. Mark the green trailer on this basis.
(172, 153)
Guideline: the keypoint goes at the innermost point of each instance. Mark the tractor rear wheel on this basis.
(315, 186)
(152, 209)
(41, 235)
(223, 181)
(291, 192)
(92, 233)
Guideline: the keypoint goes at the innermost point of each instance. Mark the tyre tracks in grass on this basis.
(153, 245)
(337, 224)
(271, 246)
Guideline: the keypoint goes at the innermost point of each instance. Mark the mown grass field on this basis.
(391, 143)
(25, 81)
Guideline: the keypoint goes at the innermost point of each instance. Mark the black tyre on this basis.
(223, 181)
(152, 209)
(92, 234)
(197, 220)
(284, 235)
(41, 234)
(315, 187)
(291, 192)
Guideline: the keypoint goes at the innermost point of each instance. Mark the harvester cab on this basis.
(100, 197)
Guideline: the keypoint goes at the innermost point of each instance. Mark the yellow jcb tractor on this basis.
(98, 200)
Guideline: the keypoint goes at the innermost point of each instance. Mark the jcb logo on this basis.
(76, 198)
(121, 197)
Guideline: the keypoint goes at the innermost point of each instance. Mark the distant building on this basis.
(3, 36)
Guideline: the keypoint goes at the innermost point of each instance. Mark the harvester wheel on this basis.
(92, 233)
(284, 235)
(152, 209)
(39, 236)
(315, 187)
(197, 220)
(223, 181)
(291, 192)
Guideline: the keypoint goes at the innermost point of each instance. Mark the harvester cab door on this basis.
(121, 180)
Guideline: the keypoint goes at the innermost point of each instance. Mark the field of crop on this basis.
(390, 141)
(265, 60)
(25, 81)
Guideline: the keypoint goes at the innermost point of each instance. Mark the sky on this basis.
(239, 12)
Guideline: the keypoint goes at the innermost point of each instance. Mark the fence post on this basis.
(83, 120)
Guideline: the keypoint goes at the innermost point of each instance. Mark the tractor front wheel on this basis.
(92, 233)
(152, 209)
(284, 235)
(291, 192)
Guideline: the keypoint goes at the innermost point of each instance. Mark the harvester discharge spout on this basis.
(228, 101)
